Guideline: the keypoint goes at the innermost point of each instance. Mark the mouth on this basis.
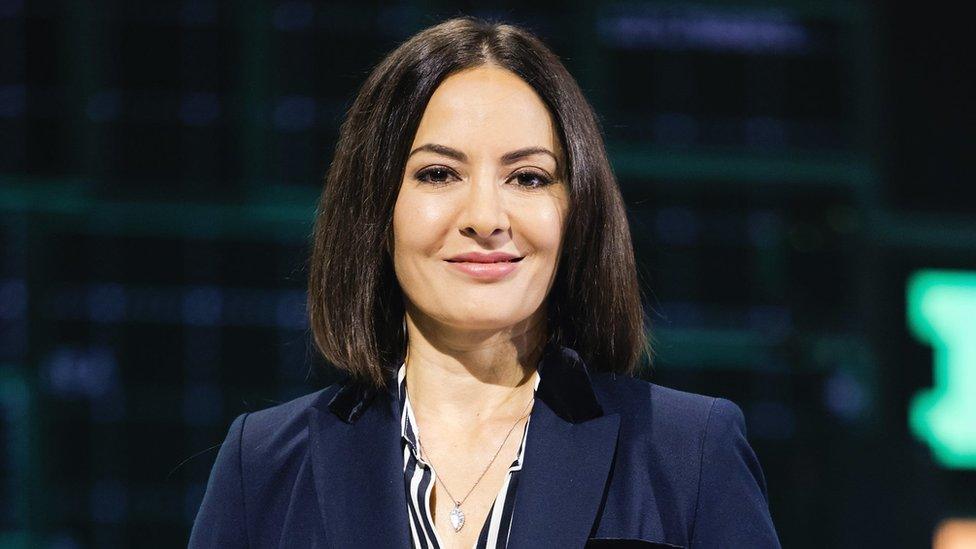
(491, 271)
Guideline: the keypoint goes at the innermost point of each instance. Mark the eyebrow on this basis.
(507, 158)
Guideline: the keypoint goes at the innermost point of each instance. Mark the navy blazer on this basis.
(611, 461)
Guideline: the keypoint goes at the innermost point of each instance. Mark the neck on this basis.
(465, 379)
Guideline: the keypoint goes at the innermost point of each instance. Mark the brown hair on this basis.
(355, 303)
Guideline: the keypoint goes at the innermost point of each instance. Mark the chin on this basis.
(478, 320)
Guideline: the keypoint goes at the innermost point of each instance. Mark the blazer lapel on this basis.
(569, 449)
(358, 465)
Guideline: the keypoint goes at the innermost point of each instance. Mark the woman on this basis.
(472, 274)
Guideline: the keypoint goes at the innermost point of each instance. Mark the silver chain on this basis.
(438, 477)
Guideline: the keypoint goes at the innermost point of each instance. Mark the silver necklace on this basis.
(457, 516)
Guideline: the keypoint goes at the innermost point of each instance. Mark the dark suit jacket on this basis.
(610, 461)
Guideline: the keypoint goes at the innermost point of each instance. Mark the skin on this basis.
(473, 345)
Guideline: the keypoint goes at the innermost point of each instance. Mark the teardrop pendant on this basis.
(457, 518)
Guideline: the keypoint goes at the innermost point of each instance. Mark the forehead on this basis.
(486, 107)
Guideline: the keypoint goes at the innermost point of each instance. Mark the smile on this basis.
(486, 271)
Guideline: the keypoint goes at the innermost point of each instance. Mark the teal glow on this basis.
(942, 313)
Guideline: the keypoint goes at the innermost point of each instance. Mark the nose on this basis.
(484, 213)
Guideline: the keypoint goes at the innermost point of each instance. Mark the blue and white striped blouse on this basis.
(419, 479)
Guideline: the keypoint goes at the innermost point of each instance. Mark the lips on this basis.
(485, 267)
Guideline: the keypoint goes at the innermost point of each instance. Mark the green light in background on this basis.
(942, 313)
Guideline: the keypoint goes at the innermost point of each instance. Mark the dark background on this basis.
(787, 166)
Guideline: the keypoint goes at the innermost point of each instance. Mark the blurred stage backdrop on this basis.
(799, 183)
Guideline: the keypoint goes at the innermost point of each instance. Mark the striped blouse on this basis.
(419, 478)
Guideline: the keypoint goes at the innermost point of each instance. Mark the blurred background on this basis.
(798, 178)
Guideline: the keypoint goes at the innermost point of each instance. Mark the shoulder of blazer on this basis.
(651, 415)
(280, 430)
(669, 425)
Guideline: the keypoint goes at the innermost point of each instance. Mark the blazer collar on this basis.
(357, 462)
(564, 386)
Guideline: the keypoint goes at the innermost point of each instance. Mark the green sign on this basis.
(942, 313)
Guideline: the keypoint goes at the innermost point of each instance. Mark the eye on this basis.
(434, 176)
(532, 179)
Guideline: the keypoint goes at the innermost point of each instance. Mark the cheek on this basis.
(545, 230)
(419, 222)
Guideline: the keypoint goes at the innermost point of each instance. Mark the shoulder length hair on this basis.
(355, 303)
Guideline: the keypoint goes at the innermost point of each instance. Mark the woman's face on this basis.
(483, 177)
